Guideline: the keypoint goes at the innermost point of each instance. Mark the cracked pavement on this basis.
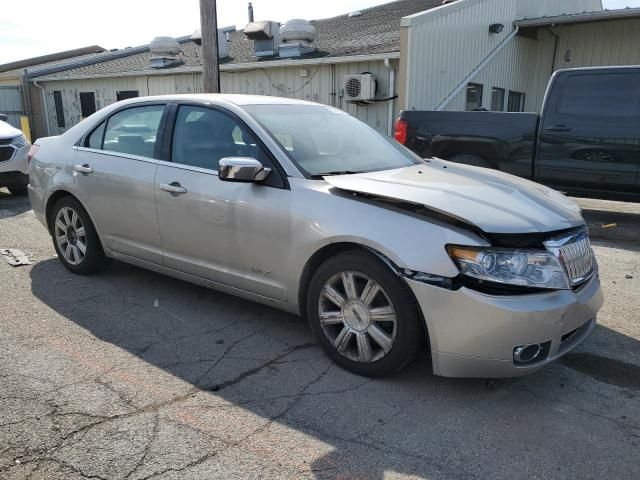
(132, 375)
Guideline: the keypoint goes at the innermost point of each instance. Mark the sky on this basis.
(58, 25)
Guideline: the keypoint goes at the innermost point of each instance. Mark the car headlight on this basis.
(19, 141)
(519, 267)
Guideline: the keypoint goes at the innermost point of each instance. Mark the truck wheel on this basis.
(363, 316)
(473, 160)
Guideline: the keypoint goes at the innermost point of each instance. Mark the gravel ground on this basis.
(132, 375)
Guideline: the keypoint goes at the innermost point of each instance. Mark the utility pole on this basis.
(209, 33)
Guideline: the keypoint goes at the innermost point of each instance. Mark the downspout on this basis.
(477, 70)
(555, 50)
(44, 108)
(391, 95)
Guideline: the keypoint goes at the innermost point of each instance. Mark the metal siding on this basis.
(11, 104)
(321, 85)
(599, 44)
(447, 44)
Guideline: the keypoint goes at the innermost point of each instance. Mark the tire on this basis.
(18, 191)
(68, 217)
(473, 160)
(345, 331)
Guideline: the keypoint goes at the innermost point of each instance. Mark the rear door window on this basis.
(601, 95)
(133, 131)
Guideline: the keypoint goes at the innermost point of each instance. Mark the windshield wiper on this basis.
(318, 176)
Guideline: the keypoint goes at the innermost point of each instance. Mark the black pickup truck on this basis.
(586, 141)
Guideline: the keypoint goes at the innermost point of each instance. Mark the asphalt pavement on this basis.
(132, 375)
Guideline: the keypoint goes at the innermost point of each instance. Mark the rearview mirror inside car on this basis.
(242, 169)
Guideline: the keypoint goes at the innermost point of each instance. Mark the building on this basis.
(13, 80)
(424, 54)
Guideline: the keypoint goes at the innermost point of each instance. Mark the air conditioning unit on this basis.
(360, 88)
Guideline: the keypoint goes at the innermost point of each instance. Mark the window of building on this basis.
(474, 96)
(515, 102)
(87, 104)
(497, 99)
(601, 95)
(133, 131)
(125, 94)
(203, 136)
(57, 99)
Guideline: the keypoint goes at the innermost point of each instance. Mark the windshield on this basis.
(326, 140)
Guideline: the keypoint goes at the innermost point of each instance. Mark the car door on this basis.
(235, 234)
(114, 176)
(590, 133)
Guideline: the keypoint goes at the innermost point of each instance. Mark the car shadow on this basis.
(265, 361)
(10, 205)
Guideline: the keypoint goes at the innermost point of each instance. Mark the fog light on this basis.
(529, 354)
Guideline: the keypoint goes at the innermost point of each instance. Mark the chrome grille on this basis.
(576, 255)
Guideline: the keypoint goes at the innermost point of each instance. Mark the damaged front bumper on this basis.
(474, 334)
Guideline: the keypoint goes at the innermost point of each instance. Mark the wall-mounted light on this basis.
(567, 56)
(496, 28)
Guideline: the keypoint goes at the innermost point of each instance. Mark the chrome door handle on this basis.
(86, 169)
(173, 188)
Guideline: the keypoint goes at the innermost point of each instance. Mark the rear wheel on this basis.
(75, 238)
(362, 315)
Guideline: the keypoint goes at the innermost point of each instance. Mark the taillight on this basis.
(401, 131)
(32, 151)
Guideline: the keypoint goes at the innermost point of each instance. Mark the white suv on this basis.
(14, 147)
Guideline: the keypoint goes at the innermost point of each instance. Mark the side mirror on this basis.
(4, 117)
(242, 169)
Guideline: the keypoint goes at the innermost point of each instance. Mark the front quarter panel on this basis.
(322, 216)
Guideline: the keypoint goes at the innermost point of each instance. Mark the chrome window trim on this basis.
(110, 153)
(190, 168)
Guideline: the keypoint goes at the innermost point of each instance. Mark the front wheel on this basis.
(75, 238)
(363, 316)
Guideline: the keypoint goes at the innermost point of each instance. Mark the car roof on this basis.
(236, 99)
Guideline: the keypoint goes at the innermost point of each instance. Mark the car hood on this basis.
(492, 201)
(7, 131)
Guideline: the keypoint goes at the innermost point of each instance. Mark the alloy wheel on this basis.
(357, 317)
(70, 235)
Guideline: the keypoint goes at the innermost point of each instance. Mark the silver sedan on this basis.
(305, 208)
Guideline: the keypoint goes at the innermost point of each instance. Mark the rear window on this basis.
(601, 95)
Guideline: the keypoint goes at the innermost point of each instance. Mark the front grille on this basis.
(578, 260)
(6, 153)
(576, 255)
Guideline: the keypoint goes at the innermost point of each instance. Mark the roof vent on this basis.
(355, 14)
(223, 40)
(297, 38)
(164, 52)
(265, 36)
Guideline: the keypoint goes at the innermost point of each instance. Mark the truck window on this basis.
(601, 95)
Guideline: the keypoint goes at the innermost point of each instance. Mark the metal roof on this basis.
(16, 68)
(586, 17)
(376, 31)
